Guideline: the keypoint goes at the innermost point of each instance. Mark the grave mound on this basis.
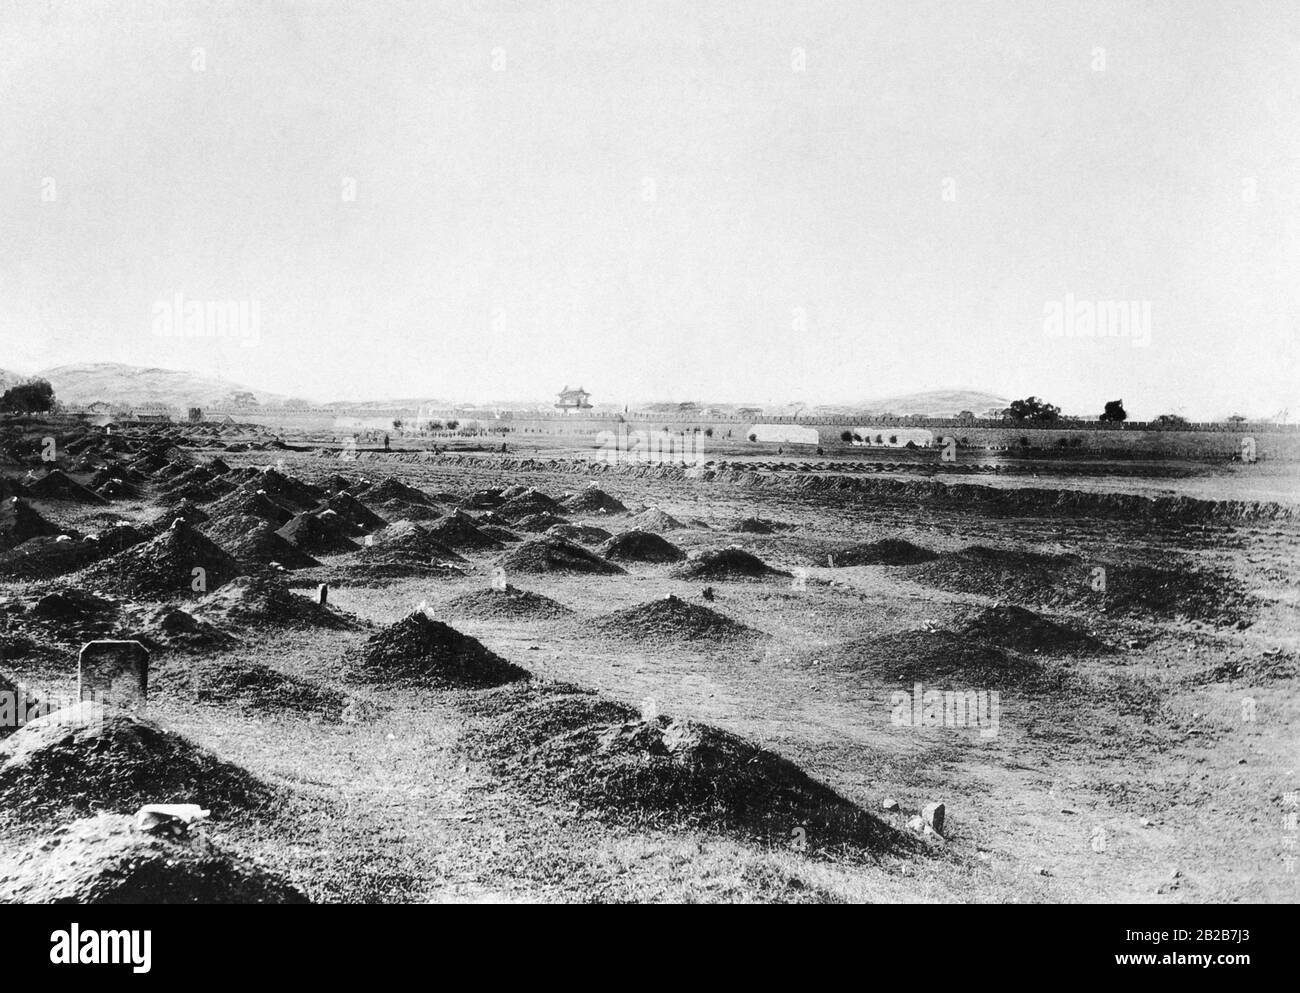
(108, 860)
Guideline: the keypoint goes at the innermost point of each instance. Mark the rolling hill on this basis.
(115, 382)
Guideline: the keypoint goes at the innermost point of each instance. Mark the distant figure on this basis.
(819, 449)
(708, 593)
(780, 451)
(385, 442)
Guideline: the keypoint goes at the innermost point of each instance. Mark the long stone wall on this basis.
(1207, 440)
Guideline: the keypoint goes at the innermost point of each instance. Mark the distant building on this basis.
(155, 413)
(574, 400)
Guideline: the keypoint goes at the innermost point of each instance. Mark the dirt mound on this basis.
(458, 530)
(537, 523)
(938, 659)
(641, 546)
(997, 571)
(887, 551)
(394, 490)
(1025, 631)
(20, 522)
(72, 605)
(353, 512)
(167, 627)
(1054, 581)
(586, 534)
(249, 502)
(185, 510)
(291, 493)
(58, 485)
(571, 748)
(528, 503)
(45, 558)
(672, 619)
(107, 860)
(202, 491)
(164, 567)
(409, 538)
(254, 540)
(319, 534)
(119, 536)
(248, 684)
(485, 498)
(434, 653)
(336, 483)
(726, 563)
(545, 554)
(498, 533)
(593, 500)
(88, 759)
(266, 600)
(654, 519)
(509, 603)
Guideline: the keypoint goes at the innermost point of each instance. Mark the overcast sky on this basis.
(748, 200)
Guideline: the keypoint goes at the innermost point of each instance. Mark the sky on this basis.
(742, 201)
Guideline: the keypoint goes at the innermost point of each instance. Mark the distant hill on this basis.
(115, 382)
(934, 403)
(10, 378)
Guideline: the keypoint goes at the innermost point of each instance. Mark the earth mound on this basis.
(186, 510)
(509, 603)
(887, 551)
(726, 563)
(939, 659)
(254, 540)
(394, 490)
(540, 555)
(457, 530)
(593, 500)
(528, 503)
(265, 600)
(353, 512)
(654, 519)
(1054, 580)
(1025, 631)
(409, 538)
(107, 860)
(58, 485)
(585, 534)
(19, 522)
(248, 502)
(319, 534)
(248, 684)
(89, 759)
(672, 619)
(568, 747)
(434, 653)
(289, 492)
(641, 546)
(537, 523)
(164, 567)
(498, 533)
(167, 627)
(45, 558)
